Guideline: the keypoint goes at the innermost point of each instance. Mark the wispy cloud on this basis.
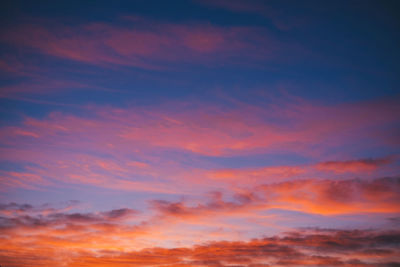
(97, 149)
(139, 45)
(361, 165)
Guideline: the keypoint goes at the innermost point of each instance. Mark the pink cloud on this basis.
(253, 176)
(355, 166)
(68, 148)
(208, 130)
(257, 175)
(139, 45)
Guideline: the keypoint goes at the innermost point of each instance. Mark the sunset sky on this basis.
(200, 133)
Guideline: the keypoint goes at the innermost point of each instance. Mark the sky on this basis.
(199, 133)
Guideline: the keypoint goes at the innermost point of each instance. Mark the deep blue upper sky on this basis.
(339, 51)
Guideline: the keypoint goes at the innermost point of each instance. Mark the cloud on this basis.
(311, 247)
(361, 165)
(116, 236)
(216, 206)
(311, 196)
(331, 197)
(254, 176)
(142, 43)
(130, 148)
(211, 130)
(25, 215)
(258, 174)
(15, 207)
(93, 218)
(46, 228)
(22, 180)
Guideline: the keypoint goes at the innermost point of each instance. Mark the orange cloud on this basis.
(331, 197)
(307, 248)
(362, 165)
(323, 197)
(254, 176)
(115, 237)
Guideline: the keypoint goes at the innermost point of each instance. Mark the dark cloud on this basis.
(216, 204)
(118, 213)
(15, 207)
(302, 247)
(32, 219)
